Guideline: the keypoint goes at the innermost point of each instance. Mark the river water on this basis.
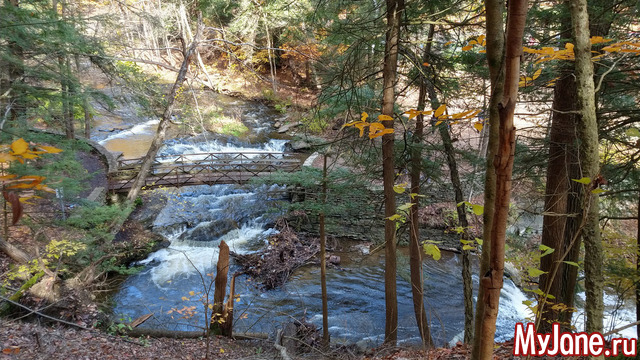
(195, 219)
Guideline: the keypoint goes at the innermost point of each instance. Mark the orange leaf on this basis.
(467, 48)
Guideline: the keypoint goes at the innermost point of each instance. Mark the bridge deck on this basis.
(205, 168)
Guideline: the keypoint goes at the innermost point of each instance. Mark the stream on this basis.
(197, 218)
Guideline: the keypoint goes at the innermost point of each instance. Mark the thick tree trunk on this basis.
(589, 162)
(395, 8)
(492, 280)
(415, 251)
(560, 206)
(220, 290)
(166, 117)
(495, 60)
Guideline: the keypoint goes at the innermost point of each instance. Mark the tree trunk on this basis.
(464, 223)
(495, 61)
(13, 252)
(415, 251)
(323, 260)
(220, 290)
(14, 69)
(166, 117)
(561, 168)
(395, 8)
(589, 162)
(492, 280)
(638, 269)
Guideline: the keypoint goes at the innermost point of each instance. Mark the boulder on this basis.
(300, 145)
(289, 126)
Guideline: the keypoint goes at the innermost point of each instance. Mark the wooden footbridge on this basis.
(205, 168)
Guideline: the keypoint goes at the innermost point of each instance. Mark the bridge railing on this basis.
(204, 168)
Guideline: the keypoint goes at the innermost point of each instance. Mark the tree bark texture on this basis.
(589, 163)
(220, 290)
(415, 250)
(395, 8)
(166, 117)
(495, 60)
(492, 280)
(561, 205)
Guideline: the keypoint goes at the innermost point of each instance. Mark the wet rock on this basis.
(209, 231)
(289, 126)
(277, 124)
(334, 259)
(512, 273)
(364, 248)
(300, 145)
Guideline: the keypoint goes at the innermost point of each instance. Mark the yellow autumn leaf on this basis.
(184, 298)
(478, 126)
(412, 113)
(361, 125)
(50, 149)
(480, 39)
(375, 127)
(191, 293)
(400, 188)
(440, 110)
(380, 133)
(383, 117)
(467, 48)
(472, 42)
(536, 74)
(19, 147)
(427, 112)
(448, 43)
(438, 123)
(364, 116)
(4, 157)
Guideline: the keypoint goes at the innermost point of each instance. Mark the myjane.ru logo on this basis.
(529, 342)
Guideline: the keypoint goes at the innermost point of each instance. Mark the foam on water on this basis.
(182, 260)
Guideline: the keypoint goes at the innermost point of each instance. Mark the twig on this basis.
(64, 321)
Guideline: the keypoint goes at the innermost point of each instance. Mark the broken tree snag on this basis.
(217, 316)
(226, 327)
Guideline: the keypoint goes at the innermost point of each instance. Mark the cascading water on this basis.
(195, 219)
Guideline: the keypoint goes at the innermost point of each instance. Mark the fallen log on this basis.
(176, 334)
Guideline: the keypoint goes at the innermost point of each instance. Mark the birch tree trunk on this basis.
(492, 280)
(166, 116)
